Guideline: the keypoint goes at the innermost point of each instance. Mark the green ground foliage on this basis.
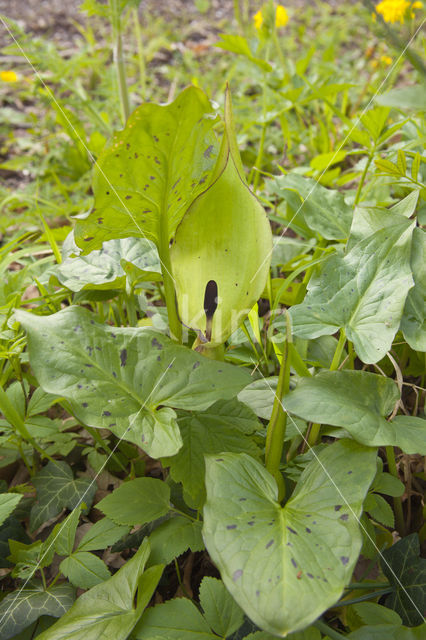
(212, 327)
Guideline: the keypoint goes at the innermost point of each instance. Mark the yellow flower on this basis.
(393, 10)
(8, 76)
(258, 19)
(387, 60)
(281, 16)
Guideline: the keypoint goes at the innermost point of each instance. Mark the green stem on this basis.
(397, 504)
(141, 55)
(367, 585)
(362, 180)
(328, 631)
(259, 158)
(169, 287)
(97, 437)
(367, 596)
(119, 60)
(339, 349)
(314, 432)
(277, 425)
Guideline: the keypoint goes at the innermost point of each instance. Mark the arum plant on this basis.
(162, 178)
(221, 252)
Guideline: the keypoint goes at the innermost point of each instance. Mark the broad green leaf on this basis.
(413, 323)
(323, 210)
(56, 489)
(413, 97)
(287, 249)
(102, 534)
(8, 502)
(222, 613)
(363, 292)
(173, 537)
(150, 172)
(388, 484)
(137, 501)
(259, 396)
(20, 608)
(63, 534)
(107, 610)
(388, 632)
(324, 161)
(373, 613)
(406, 572)
(117, 377)
(177, 619)
(222, 249)
(377, 507)
(223, 427)
(106, 268)
(84, 569)
(286, 565)
(358, 401)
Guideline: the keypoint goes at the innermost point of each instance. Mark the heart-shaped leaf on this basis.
(364, 292)
(358, 401)
(286, 565)
(117, 377)
(151, 171)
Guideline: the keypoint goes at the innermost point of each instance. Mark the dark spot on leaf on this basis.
(289, 544)
(113, 335)
(136, 155)
(100, 220)
(237, 574)
(196, 365)
(156, 344)
(344, 560)
(127, 145)
(292, 530)
(344, 516)
(349, 473)
(250, 523)
(84, 404)
(128, 197)
(219, 459)
(114, 374)
(86, 364)
(293, 562)
(88, 239)
(152, 177)
(155, 138)
(123, 357)
(231, 526)
(270, 543)
(158, 358)
(242, 499)
(308, 530)
(257, 593)
(79, 386)
(337, 507)
(107, 193)
(310, 576)
(207, 153)
(106, 413)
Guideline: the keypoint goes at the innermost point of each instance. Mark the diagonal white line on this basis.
(89, 487)
(345, 501)
(354, 126)
(89, 153)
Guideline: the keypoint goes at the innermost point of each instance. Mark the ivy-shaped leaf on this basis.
(406, 571)
(21, 608)
(56, 489)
